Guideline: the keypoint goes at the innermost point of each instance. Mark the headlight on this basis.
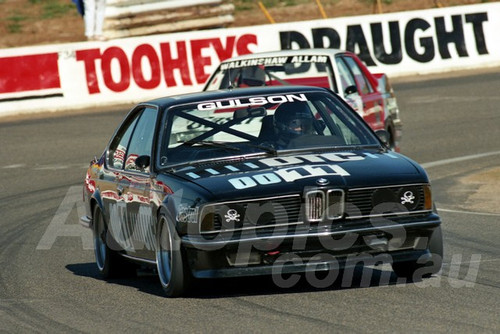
(207, 222)
(427, 197)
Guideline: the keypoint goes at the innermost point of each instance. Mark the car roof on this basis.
(229, 93)
(291, 53)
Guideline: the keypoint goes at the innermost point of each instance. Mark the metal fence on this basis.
(127, 18)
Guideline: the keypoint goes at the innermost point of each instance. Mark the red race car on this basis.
(371, 95)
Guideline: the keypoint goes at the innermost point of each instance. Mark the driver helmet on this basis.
(293, 119)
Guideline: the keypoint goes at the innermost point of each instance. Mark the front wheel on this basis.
(109, 263)
(172, 270)
(424, 267)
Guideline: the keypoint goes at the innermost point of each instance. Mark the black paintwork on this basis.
(173, 188)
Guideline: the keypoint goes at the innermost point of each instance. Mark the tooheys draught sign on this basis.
(399, 43)
(415, 41)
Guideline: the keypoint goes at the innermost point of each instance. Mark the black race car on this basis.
(261, 181)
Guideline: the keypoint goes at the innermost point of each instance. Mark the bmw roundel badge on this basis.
(322, 181)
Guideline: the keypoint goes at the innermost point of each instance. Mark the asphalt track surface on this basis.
(49, 282)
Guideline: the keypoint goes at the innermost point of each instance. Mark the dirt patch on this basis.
(36, 22)
(485, 198)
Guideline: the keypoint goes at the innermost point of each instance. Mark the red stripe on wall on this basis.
(28, 73)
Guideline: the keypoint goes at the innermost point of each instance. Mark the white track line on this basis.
(458, 159)
(469, 212)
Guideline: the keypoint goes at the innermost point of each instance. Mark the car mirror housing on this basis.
(250, 112)
(351, 90)
(142, 162)
(384, 136)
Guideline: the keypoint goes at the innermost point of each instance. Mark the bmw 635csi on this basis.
(260, 181)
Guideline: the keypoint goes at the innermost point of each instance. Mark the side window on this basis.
(118, 147)
(341, 127)
(346, 78)
(347, 134)
(142, 139)
(363, 85)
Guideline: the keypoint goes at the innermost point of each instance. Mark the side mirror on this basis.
(350, 90)
(142, 162)
(384, 136)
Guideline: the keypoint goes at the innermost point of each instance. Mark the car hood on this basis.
(291, 173)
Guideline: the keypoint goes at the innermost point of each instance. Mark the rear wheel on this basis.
(109, 263)
(423, 267)
(172, 269)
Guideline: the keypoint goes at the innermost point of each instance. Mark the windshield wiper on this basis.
(266, 148)
(188, 164)
(210, 143)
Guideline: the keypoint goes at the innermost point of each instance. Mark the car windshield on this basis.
(273, 71)
(263, 124)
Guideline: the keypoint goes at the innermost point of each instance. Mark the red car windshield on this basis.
(273, 71)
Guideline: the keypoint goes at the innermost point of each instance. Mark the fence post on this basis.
(266, 13)
(377, 7)
(322, 11)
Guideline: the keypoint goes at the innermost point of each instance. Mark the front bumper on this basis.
(304, 249)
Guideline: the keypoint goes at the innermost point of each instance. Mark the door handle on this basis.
(119, 190)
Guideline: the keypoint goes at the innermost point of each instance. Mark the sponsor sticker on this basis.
(268, 61)
(251, 101)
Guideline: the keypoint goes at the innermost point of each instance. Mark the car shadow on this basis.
(354, 278)
(144, 281)
(359, 277)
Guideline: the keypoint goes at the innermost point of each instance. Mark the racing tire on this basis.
(170, 261)
(423, 267)
(109, 263)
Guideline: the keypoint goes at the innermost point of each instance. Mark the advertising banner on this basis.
(122, 71)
